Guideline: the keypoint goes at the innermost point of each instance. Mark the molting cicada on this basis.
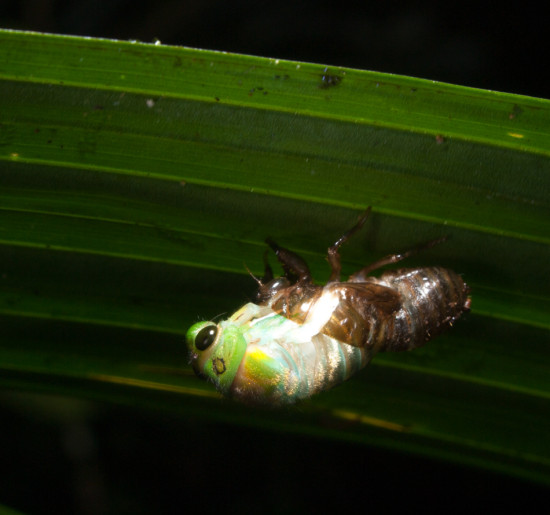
(300, 338)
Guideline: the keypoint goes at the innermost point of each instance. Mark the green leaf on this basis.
(137, 181)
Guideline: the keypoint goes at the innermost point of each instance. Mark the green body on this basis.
(260, 357)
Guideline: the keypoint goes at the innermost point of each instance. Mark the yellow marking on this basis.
(371, 421)
(259, 365)
(516, 135)
(257, 354)
(151, 385)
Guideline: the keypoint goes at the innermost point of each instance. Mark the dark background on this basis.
(111, 459)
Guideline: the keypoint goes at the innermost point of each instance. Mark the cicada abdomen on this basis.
(300, 338)
(431, 300)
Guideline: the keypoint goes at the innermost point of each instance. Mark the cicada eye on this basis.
(206, 337)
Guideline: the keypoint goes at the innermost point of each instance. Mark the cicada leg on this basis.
(333, 251)
(295, 267)
(362, 274)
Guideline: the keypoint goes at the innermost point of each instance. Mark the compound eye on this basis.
(206, 337)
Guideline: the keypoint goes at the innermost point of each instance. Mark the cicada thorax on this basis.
(293, 301)
(357, 311)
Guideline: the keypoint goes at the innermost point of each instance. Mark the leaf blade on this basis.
(136, 180)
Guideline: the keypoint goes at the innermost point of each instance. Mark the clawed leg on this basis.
(295, 267)
(333, 254)
(362, 275)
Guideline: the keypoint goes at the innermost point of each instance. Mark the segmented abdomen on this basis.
(432, 299)
(284, 364)
(401, 310)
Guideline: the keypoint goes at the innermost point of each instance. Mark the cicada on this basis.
(299, 338)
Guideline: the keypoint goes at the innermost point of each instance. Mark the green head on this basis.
(216, 351)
